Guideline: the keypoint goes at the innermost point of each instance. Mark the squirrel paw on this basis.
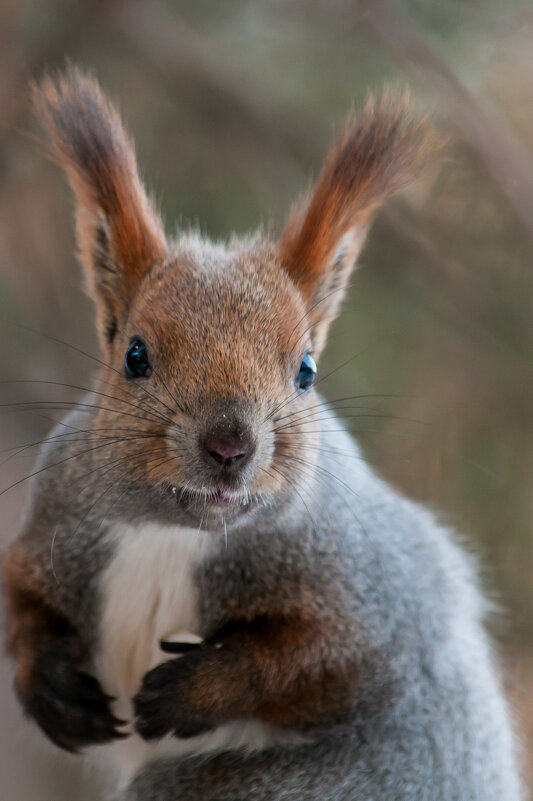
(69, 705)
(165, 702)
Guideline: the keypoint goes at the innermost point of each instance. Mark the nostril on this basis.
(227, 461)
(218, 457)
(226, 454)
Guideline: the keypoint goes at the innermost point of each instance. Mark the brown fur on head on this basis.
(225, 327)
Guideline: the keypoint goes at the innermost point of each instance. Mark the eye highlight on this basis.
(136, 360)
(306, 374)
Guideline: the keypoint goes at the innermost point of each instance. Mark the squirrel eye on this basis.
(306, 375)
(136, 360)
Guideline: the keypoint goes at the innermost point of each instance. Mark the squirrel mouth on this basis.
(211, 498)
(220, 498)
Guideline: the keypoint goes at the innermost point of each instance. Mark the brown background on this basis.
(232, 104)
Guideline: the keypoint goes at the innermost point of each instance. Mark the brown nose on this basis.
(229, 452)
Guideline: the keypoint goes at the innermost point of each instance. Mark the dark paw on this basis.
(163, 705)
(69, 705)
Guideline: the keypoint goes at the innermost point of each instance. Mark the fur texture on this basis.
(341, 647)
(159, 564)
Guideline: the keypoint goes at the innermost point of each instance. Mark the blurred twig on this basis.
(492, 140)
(19, 65)
(215, 89)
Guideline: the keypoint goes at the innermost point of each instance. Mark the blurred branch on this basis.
(17, 67)
(463, 303)
(492, 140)
(213, 88)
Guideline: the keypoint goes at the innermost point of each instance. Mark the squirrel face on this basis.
(208, 350)
(219, 335)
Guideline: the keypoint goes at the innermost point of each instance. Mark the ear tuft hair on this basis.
(374, 157)
(120, 235)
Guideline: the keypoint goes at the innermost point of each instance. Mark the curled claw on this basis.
(165, 704)
(69, 705)
(120, 735)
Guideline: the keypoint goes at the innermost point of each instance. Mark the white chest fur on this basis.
(148, 592)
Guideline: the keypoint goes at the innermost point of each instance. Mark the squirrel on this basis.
(212, 591)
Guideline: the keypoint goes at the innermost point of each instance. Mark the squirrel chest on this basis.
(149, 592)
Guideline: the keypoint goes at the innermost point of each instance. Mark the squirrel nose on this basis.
(230, 453)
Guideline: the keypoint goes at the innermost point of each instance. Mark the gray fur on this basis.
(403, 600)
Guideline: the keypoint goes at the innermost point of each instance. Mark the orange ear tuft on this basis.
(120, 235)
(375, 156)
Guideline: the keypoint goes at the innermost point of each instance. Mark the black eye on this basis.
(306, 375)
(136, 360)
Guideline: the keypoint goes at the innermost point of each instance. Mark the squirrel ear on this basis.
(120, 235)
(375, 155)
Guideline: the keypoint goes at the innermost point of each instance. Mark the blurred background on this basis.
(232, 104)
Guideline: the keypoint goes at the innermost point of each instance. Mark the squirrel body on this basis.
(202, 485)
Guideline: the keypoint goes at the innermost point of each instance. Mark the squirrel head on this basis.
(209, 350)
